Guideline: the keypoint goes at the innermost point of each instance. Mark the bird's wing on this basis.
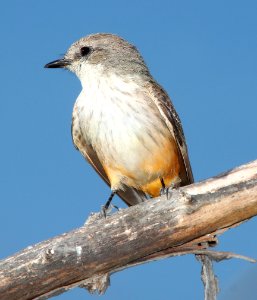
(130, 195)
(169, 114)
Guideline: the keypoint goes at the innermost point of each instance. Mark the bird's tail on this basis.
(132, 196)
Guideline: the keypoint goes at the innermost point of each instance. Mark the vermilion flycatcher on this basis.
(123, 122)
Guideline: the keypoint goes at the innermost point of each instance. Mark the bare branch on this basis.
(209, 280)
(188, 222)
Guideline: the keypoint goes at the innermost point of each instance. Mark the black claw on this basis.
(167, 193)
(103, 211)
(164, 189)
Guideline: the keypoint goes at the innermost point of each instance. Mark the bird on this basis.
(123, 121)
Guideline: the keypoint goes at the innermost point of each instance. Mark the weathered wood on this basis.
(161, 227)
(209, 280)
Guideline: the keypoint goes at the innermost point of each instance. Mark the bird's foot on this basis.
(106, 211)
(165, 191)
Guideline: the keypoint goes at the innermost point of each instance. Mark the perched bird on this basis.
(123, 122)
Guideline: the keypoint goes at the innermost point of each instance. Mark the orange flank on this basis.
(163, 163)
(166, 165)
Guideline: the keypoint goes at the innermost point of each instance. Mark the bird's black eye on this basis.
(84, 51)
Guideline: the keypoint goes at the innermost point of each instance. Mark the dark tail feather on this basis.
(132, 196)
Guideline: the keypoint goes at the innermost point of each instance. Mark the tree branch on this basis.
(187, 222)
(209, 280)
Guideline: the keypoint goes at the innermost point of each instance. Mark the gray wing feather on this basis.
(169, 114)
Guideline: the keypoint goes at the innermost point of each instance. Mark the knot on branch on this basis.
(97, 284)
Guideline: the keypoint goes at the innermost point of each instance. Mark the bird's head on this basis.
(109, 52)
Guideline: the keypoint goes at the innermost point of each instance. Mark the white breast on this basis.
(119, 120)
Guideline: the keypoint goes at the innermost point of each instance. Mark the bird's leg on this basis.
(164, 189)
(107, 204)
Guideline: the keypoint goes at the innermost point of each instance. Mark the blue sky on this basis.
(204, 55)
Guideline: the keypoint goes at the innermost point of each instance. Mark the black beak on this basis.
(59, 63)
